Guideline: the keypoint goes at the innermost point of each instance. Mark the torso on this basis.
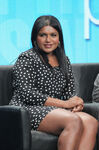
(34, 81)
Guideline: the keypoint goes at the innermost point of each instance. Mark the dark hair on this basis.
(53, 22)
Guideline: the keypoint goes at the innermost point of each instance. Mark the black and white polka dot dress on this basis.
(34, 82)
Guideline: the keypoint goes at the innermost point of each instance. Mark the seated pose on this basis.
(44, 85)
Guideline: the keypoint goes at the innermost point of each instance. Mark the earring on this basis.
(35, 44)
(59, 45)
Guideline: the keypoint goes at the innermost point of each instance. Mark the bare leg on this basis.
(88, 138)
(67, 125)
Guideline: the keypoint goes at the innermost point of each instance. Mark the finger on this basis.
(77, 108)
(74, 109)
(80, 107)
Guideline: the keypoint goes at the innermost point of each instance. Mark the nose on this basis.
(48, 38)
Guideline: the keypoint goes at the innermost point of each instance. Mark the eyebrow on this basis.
(46, 33)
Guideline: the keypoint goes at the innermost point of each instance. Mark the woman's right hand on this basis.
(74, 102)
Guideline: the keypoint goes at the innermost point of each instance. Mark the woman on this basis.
(44, 85)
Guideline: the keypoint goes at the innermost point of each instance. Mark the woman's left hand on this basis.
(78, 108)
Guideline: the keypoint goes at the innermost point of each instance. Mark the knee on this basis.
(93, 123)
(73, 128)
(76, 124)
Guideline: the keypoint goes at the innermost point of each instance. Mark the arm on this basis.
(70, 89)
(24, 81)
(69, 104)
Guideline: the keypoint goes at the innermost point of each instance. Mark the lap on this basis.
(55, 120)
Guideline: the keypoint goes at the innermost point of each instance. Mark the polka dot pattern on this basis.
(34, 82)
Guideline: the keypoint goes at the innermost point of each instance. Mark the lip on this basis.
(48, 45)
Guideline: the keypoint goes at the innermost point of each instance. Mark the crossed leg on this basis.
(90, 127)
(65, 124)
(72, 128)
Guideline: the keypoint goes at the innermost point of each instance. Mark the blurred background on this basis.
(79, 20)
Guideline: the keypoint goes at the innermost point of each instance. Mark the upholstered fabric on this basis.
(44, 141)
(5, 84)
(85, 75)
(95, 93)
(14, 128)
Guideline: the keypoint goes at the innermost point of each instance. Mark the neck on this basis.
(45, 53)
(50, 54)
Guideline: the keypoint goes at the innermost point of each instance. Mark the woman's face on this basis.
(48, 39)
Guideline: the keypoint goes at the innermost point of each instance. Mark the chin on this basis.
(47, 50)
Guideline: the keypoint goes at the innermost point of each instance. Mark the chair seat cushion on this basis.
(44, 141)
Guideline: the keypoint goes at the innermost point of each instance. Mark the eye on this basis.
(53, 34)
(42, 34)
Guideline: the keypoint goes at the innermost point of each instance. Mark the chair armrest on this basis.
(14, 128)
(92, 109)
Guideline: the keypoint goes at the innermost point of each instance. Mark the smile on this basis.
(48, 45)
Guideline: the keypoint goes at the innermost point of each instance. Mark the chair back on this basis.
(85, 74)
(6, 89)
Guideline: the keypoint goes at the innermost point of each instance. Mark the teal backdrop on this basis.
(79, 20)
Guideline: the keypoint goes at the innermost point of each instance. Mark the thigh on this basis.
(55, 121)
